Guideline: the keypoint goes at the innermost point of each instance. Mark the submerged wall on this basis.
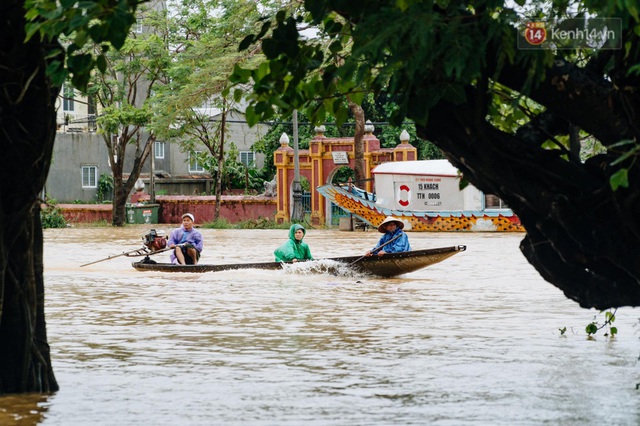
(233, 208)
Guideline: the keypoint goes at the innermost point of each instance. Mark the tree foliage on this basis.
(509, 118)
(192, 107)
(123, 91)
(78, 24)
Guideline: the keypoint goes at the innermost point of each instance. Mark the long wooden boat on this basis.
(426, 196)
(388, 265)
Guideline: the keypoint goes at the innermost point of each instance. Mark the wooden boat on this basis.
(426, 196)
(388, 265)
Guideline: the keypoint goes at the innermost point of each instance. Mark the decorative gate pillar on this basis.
(323, 157)
(404, 151)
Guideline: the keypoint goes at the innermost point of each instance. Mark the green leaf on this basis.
(238, 94)
(341, 116)
(57, 73)
(101, 62)
(31, 29)
(96, 32)
(634, 69)
(619, 179)
(317, 113)
(591, 329)
(246, 42)
(239, 75)
(261, 72)
(463, 183)
(251, 116)
(357, 97)
(610, 317)
(265, 27)
(81, 62)
(335, 47)
(81, 38)
(333, 27)
(336, 105)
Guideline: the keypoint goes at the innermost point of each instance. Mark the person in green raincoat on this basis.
(294, 249)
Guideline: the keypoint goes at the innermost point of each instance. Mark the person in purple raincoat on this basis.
(187, 242)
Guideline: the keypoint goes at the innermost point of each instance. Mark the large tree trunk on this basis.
(581, 235)
(28, 122)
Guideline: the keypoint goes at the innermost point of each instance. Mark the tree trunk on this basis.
(120, 195)
(358, 148)
(122, 188)
(28, 120)
(223, 126)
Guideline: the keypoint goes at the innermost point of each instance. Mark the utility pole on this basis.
(152, 175)
(297, 213)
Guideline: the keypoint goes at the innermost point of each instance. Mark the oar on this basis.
(128, 253)
(377, 248)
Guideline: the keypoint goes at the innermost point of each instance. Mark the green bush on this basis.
(51, 217)
(105, 188)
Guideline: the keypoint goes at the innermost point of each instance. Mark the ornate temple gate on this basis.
(319, 162)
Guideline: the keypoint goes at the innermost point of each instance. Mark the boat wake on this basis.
(322, 266)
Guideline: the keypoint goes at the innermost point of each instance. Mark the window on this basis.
(68, 98)
(159, 149)
(247, 158)
(91, 111)
(493, 202)
(137, 27)
(194, 164)
(89, 179)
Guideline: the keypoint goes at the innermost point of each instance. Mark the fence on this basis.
(336, 212)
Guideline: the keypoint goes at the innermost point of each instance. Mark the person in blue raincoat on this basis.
(187, 242)
(392, 228)
(294, 249)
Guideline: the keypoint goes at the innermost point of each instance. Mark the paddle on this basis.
(138, 252)
(377, 248)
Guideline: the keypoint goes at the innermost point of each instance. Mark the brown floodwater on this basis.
(472, 340)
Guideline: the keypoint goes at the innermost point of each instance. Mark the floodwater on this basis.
(473, 340)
